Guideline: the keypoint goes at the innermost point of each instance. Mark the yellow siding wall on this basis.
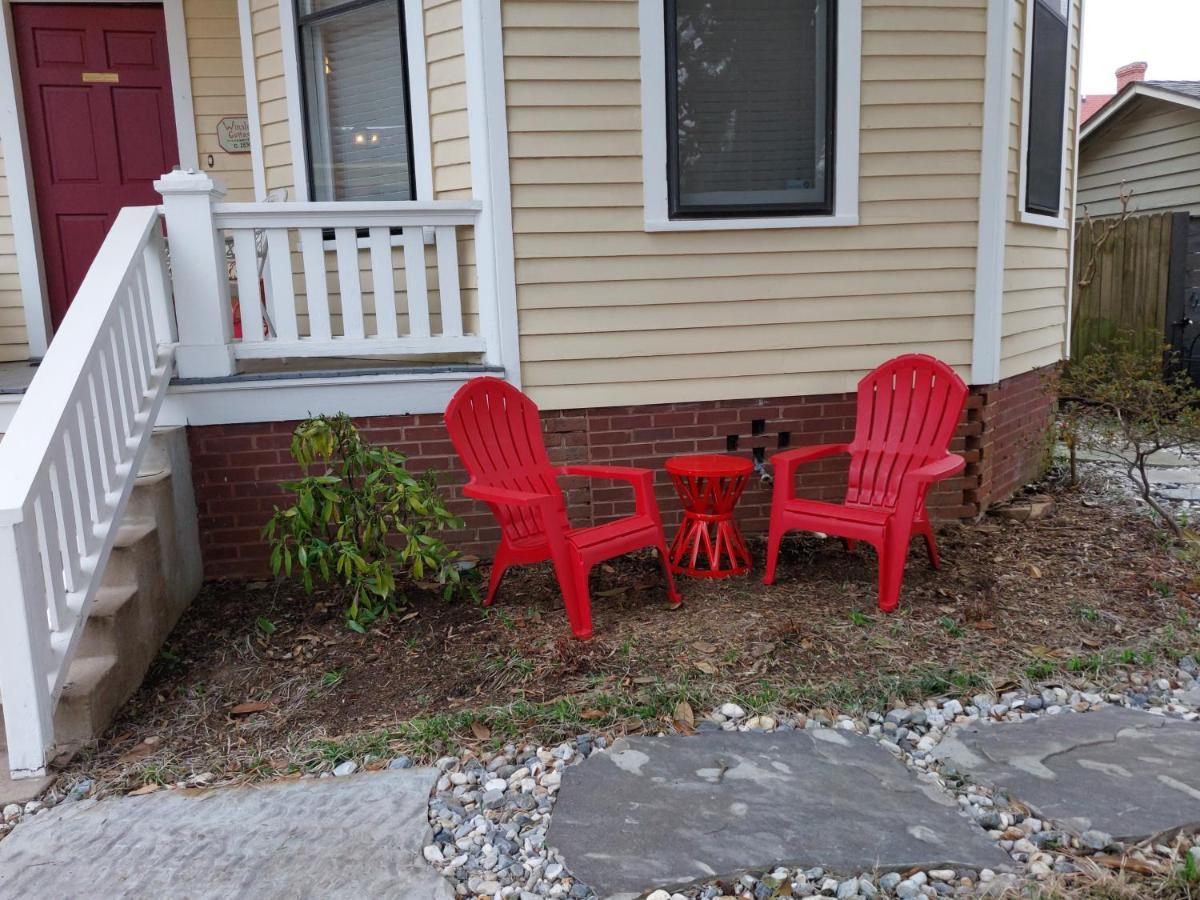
(272, 95)
(1152, 148)
(610, 314)
(447, 76)
(13, 341)
(218, 88)
(1036, 256)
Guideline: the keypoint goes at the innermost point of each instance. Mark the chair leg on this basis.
(849, 544)
(774, 539)
(893, 553)
(931, 545)
(664, 558)
(500, 565)
(579, 609)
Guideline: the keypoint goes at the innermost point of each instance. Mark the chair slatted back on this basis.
(497, 433)
(908, 409)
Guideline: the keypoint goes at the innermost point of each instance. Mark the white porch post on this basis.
(24, 645)
(199, 275)
(487, 128)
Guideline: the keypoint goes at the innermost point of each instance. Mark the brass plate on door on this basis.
(106, 77)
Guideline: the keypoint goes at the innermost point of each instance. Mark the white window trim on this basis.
(1024, 216)
(418, 98)
(654, 138)
(27, 243)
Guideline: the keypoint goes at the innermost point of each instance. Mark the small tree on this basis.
(359, 521)
(1122, 402)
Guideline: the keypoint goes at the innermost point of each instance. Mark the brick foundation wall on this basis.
(236, 468)
(1014, 446)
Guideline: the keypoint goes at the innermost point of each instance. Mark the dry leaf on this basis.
(590, 715)
(481, 731)
(644, 679)
(245, 709)
(136, 753)
(683, 714)
(145, 789)
(1033, 571)
(985, 625)
(705, 647)
(706, 667)
(612, 592)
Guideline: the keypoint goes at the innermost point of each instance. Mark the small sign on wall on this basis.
(233, 134)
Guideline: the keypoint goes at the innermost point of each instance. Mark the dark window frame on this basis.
(680, 212)
(1031, 206)
(303, 20)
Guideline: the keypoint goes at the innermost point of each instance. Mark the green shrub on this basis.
(360, 521)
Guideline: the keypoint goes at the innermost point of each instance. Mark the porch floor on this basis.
(15, 377)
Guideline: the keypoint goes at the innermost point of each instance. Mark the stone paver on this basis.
(352, 837)
(1120, 771)
(665, 811)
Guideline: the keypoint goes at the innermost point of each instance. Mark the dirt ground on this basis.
(258, 679)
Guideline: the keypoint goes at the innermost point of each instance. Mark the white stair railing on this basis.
(67, 466)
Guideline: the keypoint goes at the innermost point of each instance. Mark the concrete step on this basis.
(115, 617)
(153, 573)
(92, 693)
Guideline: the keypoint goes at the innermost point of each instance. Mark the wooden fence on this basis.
(1124, 287)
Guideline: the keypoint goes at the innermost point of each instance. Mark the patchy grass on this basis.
(257, 680)
(1094, 882)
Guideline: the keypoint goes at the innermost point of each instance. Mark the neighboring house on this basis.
(1093, 103)
(1146, 139)
(679, 225)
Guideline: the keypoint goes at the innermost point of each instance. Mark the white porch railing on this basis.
(317, 279)
(68, 463)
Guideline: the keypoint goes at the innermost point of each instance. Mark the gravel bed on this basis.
(490, 815)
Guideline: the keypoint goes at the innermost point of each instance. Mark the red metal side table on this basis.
(708, 543)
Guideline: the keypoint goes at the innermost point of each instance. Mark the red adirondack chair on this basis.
(908, 409)
(498, 435)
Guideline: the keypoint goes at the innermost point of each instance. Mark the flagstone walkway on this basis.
(649, 813)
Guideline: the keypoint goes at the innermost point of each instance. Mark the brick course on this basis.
(236, 468)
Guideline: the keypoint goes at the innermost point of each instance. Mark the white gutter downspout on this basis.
(993, 195)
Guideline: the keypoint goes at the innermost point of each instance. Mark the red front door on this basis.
(100, 124)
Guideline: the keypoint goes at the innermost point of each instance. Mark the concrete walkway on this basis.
(353, 837)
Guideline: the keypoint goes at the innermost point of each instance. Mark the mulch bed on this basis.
(254, 669)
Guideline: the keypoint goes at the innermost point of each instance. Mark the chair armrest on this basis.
(950, 464)
(617, 473)
(641, 479)
(504, 496)
(788, 461)
(918, 480)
